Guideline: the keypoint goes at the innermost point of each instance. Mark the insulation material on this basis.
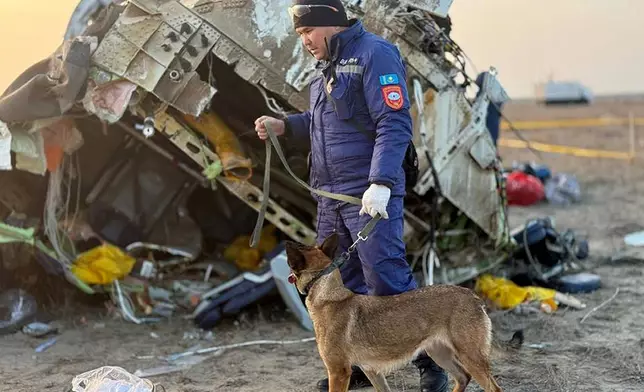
(60, 138)
(41, 150)
(30, 152)
(227, 147)
(50, 87)
(110, 100)
(5, 147)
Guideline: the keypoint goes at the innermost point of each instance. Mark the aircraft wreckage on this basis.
(142, 125)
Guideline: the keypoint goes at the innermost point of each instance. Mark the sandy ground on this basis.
(604, 353)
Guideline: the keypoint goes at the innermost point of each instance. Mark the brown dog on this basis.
(381, 334)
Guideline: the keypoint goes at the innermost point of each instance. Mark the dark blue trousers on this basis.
(379, 266)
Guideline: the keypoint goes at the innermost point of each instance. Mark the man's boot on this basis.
(358, 380)
(432, 377)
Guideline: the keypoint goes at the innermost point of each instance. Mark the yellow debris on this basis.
(102, 265)
(505, 294)
(227, 146)
(247, 258)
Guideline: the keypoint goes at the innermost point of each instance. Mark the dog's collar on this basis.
(335, 264)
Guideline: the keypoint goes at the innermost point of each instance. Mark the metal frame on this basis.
(186, 140)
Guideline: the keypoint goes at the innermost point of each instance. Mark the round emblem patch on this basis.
(393, 97)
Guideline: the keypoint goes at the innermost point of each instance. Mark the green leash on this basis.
(273, 142)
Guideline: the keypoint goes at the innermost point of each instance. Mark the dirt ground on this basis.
(604, 353)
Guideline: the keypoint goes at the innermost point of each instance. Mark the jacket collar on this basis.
(340, 40)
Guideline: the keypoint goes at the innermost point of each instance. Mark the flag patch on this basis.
(388, 79)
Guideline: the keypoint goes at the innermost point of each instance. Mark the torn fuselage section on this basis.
(154, 173)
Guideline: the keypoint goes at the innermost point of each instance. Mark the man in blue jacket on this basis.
(359, 128)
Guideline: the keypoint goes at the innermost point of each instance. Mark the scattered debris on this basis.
(102, 265)
(39, 330)
(505, 294)
(562, 189)
(175, 357)
(523, 189)
(46, 345)
(593, 310)
(635, 239)
(110, 378)
(176, 366)
(578, 283)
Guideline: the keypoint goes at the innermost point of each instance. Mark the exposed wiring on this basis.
(174, 357)
(57, 209)
(271, 103)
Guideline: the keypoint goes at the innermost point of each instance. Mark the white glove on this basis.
(375, 200)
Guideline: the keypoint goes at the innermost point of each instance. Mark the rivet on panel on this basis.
(174, 75)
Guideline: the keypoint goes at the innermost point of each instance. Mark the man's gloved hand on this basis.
(375, 200)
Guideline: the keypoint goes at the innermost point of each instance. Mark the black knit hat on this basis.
(318, 13)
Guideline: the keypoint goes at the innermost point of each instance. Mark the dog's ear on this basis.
(294, 256)
(330, 245)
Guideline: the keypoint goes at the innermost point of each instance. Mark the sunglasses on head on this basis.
(301, 10)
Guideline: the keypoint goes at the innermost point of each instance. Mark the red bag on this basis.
(523, 189)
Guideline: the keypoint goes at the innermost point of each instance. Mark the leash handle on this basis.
(257, 231)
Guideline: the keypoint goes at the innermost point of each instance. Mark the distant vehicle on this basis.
(558, 93)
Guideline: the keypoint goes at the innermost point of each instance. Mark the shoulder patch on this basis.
(393, 96)
(388, 79)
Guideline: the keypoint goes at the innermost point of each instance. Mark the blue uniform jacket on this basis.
(369, 87)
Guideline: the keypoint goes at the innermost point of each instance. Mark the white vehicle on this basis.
(553, 92)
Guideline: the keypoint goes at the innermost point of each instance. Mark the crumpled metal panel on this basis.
(194, 96)
(463, 155)
(145, 71)
(115, 53)
(161, 47)
(158, 45)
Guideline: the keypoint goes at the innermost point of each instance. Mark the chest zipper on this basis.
(321, 99)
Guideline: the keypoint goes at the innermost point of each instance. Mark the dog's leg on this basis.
(473, 350)
(445, 358)
(339, 377)
(478, 364)
(378, 381)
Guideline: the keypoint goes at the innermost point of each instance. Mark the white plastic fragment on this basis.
(110, 379)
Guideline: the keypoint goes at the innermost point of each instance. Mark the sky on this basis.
(596, 42)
